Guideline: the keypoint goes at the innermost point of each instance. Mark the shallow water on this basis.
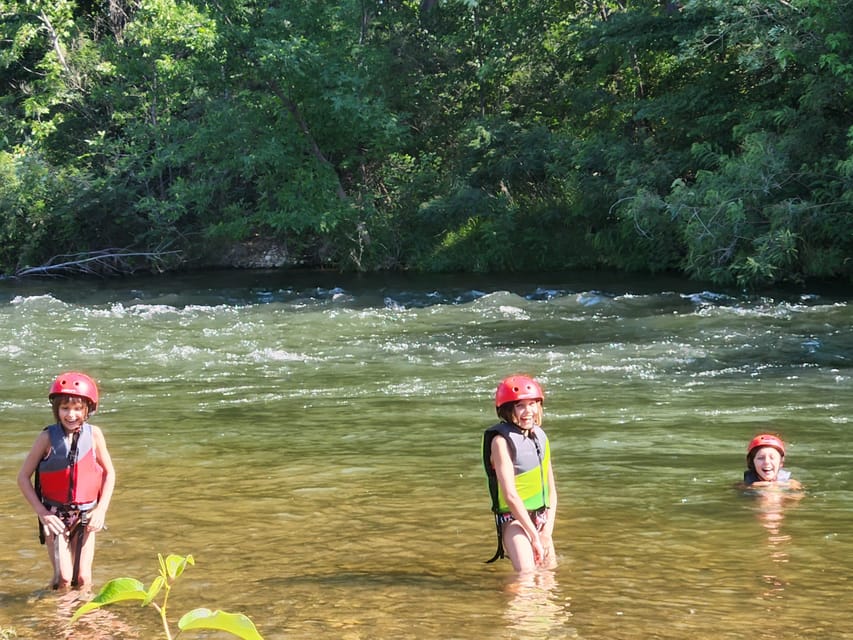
(313, 441)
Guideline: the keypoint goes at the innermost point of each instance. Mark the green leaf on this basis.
(114, 591)
(154, 589)
(234, 623)
(175, 565)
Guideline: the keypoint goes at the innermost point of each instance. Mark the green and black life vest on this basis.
(531, 458)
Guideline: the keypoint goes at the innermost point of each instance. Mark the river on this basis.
(312, 439)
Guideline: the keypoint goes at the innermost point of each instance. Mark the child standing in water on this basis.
(765, 455)
(74, 480)
(517, 458)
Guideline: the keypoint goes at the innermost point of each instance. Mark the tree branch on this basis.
(107, 262)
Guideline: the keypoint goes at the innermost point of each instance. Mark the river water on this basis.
(312, 439)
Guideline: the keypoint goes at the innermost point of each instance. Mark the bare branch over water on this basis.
(103, 263)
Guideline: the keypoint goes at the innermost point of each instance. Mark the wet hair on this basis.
(505, 412)
(60, 399)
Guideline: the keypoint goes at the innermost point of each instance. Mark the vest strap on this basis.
(499, 553)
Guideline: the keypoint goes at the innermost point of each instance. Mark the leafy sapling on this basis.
(171, 568)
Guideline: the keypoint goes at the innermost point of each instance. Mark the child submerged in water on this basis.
(772, 487)
(765, 455)
(74, 480)
(517, 458)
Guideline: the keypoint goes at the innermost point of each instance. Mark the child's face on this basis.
(527, 413)
(73, 412)
(767, 463)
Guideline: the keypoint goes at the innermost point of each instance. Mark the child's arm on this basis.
(52, 523)
(98, 515)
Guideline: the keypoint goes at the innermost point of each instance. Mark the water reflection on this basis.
(770, 506)
(536, 608)
(50, 614)
(770, 511)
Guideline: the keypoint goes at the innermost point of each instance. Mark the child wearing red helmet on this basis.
(73, 480)
(765, 455)
(517, 459)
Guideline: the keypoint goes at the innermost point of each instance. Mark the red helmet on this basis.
(73, 383)
(765, 440)
(518, 388)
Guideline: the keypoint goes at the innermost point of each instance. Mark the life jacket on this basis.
(70, 476)
(531, 458)
(750, 476)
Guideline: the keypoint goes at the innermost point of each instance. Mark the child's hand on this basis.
(549, 559)
(538, 551)
(96, 520)
(53, 524)
(547, 544)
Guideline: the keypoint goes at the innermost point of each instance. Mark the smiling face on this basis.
(527, 414)
(767, 461)
(72, 412)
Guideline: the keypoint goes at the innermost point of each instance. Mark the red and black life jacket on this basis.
(70, 475)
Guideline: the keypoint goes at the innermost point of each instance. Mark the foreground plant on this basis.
(171, 568)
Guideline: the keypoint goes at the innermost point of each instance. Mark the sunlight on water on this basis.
(313, 440)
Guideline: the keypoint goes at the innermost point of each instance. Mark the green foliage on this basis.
(482, 242)
(739, 222)
(171, 568)
(37, 200)
(642, 238)
(708, 137)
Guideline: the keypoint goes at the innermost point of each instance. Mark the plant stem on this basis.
(161, 609)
